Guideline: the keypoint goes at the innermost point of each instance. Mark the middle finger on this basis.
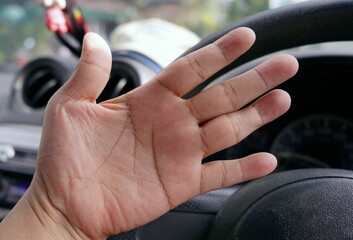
(233, 94)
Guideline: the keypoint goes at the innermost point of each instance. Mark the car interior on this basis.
(308, 196)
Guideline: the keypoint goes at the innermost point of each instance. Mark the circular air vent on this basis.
(39, 87)
(41, 78)
(123, 78)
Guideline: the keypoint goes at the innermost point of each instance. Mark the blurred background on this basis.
(24, 35)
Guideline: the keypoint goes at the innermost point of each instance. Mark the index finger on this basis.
(187, 72)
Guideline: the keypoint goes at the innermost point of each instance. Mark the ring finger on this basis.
(233, 94)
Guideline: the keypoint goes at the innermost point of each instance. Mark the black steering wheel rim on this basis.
(310, 22)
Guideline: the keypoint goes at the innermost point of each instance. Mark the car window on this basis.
(23, 33)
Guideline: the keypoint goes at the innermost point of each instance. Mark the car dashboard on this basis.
(317, 132)
(317, 129)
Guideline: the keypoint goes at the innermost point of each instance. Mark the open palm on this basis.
(116, 165)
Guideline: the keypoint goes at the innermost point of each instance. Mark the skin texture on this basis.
(110, 167)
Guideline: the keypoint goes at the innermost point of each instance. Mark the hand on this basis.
(110, 167)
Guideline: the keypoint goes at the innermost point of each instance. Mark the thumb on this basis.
(92, 71)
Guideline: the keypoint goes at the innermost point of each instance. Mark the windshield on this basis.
(24, 34)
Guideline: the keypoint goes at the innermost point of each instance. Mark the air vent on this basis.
(41, 78)
(39, 87)
(123, 78)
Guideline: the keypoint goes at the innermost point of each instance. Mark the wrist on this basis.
(34, 217)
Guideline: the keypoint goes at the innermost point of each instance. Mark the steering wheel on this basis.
(296, 204)
(314, 21)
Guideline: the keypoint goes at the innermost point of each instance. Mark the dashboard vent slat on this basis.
(41, 78)
(123, 78)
